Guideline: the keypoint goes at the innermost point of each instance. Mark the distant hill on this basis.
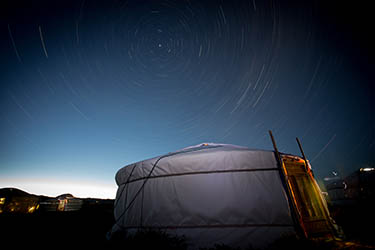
(14, 192)
(14, 200)
(11, 191)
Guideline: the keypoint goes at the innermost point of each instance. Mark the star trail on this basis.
(90, 86)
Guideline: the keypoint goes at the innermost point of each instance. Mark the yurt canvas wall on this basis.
(211, 193)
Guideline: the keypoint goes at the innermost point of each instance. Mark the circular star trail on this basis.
(90, 86)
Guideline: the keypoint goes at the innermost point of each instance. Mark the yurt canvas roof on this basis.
(198, 159)
(210, 193)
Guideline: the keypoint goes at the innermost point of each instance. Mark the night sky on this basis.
(88, 87)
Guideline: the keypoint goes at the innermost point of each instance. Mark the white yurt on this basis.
(209, 193)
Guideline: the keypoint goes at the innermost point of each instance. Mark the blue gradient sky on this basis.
(90, 86)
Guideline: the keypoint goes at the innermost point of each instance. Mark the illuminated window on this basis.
(2, 201)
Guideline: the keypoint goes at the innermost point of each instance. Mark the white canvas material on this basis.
(210, 193)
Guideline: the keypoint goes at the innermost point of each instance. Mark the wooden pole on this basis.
(275, 148)
(301, 149)
(303, 153)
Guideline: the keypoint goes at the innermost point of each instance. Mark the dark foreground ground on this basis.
(86, 229)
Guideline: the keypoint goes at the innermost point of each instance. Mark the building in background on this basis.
(68, 202)
(358, 187)
(62, 203)
(352, 202)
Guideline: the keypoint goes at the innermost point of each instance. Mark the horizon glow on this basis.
(54, 187)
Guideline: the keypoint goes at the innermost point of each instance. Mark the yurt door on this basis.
(306, 195)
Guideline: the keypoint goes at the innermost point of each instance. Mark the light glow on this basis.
(53, 187)
(31, 209)
(367, 169)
